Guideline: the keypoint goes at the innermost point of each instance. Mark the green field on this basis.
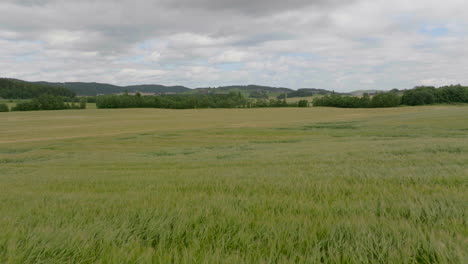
(270, 185)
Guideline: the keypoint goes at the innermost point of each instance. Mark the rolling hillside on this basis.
(93, 89)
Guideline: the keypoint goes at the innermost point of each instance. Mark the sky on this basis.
(341, 45)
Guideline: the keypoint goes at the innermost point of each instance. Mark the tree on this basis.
(83, 102)
(385, 100)
(419, 96)
(365, 100)
(303, 103)
(45, 102)
(231, 100)
(380, 100)
(4, 108)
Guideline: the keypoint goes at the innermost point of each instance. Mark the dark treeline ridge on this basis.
(421, 95)
(16, 89)
(49, 102)
(231, 100)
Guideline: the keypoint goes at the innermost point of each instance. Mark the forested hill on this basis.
(245, 88)
(17, 89)
(92, 89)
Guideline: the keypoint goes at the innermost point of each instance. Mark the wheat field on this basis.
(272, 185)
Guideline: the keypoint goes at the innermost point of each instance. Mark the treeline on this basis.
(276, 103)
(48, 102)
(425, 95)
(389, 99)
(231, 100)
(16, 89)
(422, 95)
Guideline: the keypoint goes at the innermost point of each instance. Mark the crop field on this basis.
(269, 185)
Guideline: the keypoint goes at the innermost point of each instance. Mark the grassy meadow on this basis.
(268, 185)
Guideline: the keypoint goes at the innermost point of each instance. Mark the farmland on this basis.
(266, 185)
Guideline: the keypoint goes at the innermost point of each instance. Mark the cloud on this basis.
(338, 44)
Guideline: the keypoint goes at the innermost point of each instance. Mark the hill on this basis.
(362, 92)
(92, 89)
(245, 88)
(306, 92)
(17, 89)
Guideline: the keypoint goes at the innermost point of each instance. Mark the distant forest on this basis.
(54, 96)
(422, 95)
(93, 89)
(16, 89)
(253, 91)
(192, 101)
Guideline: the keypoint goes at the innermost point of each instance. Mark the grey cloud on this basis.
(31, 2)
(185, 39)
(114, 26)
(249, 7)
(262, 38)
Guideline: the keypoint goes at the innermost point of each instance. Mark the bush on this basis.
(83, 102)
(303, 103)
(4, 108)
(45, 102)
(27, 106)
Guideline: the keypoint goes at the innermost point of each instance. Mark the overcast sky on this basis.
(333, 44)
